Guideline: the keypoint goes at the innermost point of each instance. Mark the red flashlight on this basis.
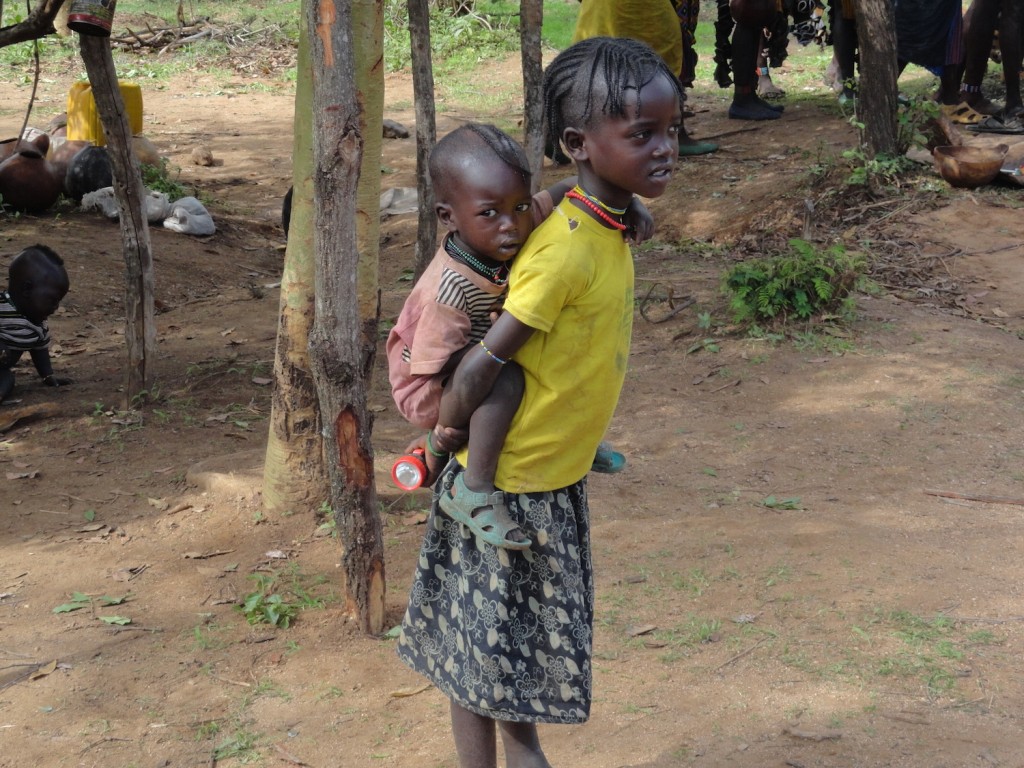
(410, 471)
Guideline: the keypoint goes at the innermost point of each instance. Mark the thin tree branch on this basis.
(38, 23)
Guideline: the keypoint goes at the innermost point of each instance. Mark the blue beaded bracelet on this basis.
(493, 356)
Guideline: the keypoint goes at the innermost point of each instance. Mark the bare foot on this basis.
(766, 89)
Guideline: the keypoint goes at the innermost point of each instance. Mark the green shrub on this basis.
(159, 179)
(798, 284)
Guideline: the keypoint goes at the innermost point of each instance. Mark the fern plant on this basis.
(798, 284)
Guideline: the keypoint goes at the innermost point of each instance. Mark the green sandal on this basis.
(607, 460)
(485, 514)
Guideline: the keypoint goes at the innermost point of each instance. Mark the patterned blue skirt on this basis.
(507, 634)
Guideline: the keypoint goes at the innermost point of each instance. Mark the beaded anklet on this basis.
(598, 209)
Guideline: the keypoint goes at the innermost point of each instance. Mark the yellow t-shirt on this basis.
(654, 23)
(573, 283)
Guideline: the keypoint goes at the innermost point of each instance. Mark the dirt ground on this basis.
(812, 559)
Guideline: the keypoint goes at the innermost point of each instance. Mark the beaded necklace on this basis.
(613, 211)
(497, 275)
(601, 210)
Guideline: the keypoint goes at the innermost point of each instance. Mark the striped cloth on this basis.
(17, 332)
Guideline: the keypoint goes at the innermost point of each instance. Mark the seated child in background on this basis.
(36, 284)
(481, 181)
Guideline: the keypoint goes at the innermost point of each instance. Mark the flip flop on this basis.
(993, 125)
(753, 112)
(697, 148)
(607, 460)
(987, 107)
(962, 114)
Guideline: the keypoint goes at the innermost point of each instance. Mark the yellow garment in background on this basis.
(651, 21)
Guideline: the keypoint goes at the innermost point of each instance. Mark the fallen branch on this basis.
(185, 41)
(976, 497)
(675, 309)
(728, 133)
(799, 733)
(741, 654)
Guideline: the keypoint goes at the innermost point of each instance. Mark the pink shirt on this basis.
(433, 326)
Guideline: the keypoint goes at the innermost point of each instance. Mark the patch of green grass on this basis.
(682, 638)
(695, 581)
(207, 637)
(240, 745)
(280, 596)
(457, 42)
(813, 340)
(207, 730)
(778, 574)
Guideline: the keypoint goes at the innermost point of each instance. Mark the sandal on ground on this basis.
(986, 106)
(1011, 112)
(692, 147)
(485, 514)
(991, 124)
(962, 114)
(607, 460)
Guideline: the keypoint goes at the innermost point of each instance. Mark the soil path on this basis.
(790, 572)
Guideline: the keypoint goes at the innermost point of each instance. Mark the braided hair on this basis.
(589, 80)
(469, 143)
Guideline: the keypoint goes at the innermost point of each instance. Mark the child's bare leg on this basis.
(489, 425)
(474, 739)
(473, 499)
(522, 746)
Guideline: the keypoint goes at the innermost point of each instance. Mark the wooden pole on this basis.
(426, 131)
(531, 16)
(140, 326)
(346, 47)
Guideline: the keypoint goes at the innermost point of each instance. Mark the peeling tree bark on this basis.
(343, 340)
(294, 473)
(140, 324)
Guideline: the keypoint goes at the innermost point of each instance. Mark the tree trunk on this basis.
(346, 41)
(294, 474)
(531, 16)
(140, 326)
(426, 131)
(876, 100)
